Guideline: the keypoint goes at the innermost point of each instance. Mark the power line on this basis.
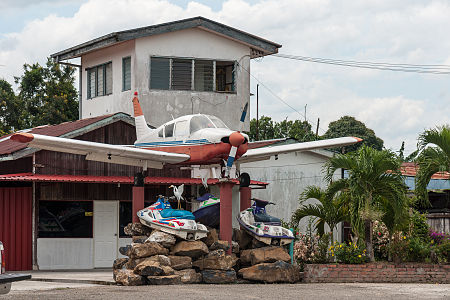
(411, 68)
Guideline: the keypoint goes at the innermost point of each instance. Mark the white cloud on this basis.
(396, 105)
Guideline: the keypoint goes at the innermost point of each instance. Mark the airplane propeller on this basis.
(236, 139)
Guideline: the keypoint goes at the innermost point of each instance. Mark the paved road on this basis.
(237, 291)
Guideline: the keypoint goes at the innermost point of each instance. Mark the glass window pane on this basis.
(181, 128)
(169, 130)
(65, 219)
(181, 74)
(126, 69)
(218, 122)
(109, 83)
(200, 122)
(125, 217)
(159, 73)
(225, 76)
(203, 75)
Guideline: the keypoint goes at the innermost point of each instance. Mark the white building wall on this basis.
(160, 105)
(65, 253)
(288, 176)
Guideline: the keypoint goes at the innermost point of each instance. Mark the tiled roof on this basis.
(410, 169)
(112, 179)
(7, 146)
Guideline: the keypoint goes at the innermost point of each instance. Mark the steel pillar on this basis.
(245, 198)
(138, 201)
(226, 229)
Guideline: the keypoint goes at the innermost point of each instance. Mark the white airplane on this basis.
(191, 140)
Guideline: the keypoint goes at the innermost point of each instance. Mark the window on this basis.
(161, 132)
(181, 128)
(204, 75)
(99, 81)
(192, 74)
(200, 122)
(159, 73)
(125, 217)
(169, 130)
(126, 73)
(58, 219)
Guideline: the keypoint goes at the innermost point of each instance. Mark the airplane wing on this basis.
(125, 155)
(266, 152)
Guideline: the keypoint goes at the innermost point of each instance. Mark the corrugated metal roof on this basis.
(7, 146)
(112, 179)
(410, 169)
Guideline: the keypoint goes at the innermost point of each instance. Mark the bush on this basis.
(380, 240)
(349, 253)
(443, 251)
(420, 227)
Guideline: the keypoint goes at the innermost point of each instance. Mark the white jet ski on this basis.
(264, 227)
(180, 223)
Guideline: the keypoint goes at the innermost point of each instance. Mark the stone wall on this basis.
(377, 272)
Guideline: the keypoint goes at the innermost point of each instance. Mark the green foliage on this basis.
(442, 251)
(310, 248)
(375, 189)
(10, 109)
(269, 129)
(349, 253)
(47, 94)
(434, 156)
(420, 228)
(330, 209)
(349, 126)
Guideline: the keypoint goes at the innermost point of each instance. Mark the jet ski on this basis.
(262, 226)
(209, 211)
(180, 223)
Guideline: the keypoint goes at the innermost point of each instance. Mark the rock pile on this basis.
(155, 257)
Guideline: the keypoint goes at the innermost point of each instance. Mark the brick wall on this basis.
(377, 272)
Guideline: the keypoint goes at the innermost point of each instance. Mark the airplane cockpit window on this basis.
(218, 122)
(181, 128)
(200, 122)
(161, 132)
(169, 130)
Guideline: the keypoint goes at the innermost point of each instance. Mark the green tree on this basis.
(330, 209)
(48, 94)
(434, 157)
(375, 189)
(349, 126)
(10, 109)
(269, 129)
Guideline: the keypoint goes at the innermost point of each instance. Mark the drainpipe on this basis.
(33, 218)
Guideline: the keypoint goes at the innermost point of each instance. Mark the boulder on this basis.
(139, 239)
(257, 244)
(279, 271)
(119, 263)
(219, 245)
(180, 262)
(161, 259)
(265, 254)
(211, 237)
(133, 262)
(242, 238)
(137, 229)
(125, 250)
(147, 249)
(149, 268)
(128, 277)
(192, 249)
(216, 260)
(189, 276)
(164, 280)
(167, 270)
(219, 276)
(164, 239)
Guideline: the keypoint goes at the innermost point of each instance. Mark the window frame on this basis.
(95, 69)
(214, 62)
(128, 58)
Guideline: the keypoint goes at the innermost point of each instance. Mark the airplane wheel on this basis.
(244, 180)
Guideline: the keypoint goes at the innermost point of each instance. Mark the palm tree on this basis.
(432, 159)
(329, 211)
(374, 187)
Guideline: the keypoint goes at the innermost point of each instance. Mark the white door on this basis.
(105, 233)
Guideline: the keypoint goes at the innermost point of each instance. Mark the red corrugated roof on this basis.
(7, 146)
(410, 169)
(112, 179)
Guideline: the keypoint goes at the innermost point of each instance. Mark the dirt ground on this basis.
(241, 291)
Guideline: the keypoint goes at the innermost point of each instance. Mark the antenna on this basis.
(172, 117)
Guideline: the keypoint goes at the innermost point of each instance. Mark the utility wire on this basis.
(411, 68)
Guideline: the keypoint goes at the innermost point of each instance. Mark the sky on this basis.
(396, 105)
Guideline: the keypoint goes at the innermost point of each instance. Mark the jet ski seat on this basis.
(177, 213)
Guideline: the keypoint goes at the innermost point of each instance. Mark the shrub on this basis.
(419, 226)
(443, 251)
(380, 240)
(349, 253)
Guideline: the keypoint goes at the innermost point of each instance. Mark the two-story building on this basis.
(189, 66)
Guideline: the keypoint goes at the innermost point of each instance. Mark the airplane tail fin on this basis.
(142, 128)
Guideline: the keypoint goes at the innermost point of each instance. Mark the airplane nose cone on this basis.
(236, 139)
